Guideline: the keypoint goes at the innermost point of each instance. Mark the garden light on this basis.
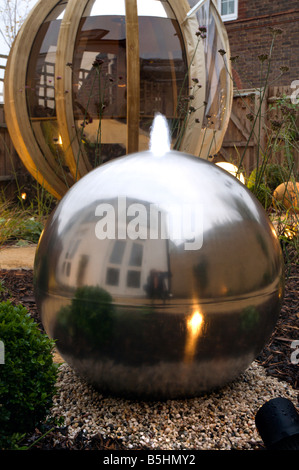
(277, 422)
(233, 169)
(287, 194)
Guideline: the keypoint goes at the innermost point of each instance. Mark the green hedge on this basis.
(28, 375)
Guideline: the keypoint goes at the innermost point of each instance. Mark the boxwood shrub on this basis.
(27, 374)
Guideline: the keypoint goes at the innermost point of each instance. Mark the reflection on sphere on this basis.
(136, 306)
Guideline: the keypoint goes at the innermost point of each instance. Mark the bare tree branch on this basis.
(13, 13)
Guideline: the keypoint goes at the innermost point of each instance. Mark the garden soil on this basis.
(17, 257)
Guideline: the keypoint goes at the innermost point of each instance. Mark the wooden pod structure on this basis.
(85, 79)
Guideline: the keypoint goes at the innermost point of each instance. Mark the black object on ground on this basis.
(277, 422)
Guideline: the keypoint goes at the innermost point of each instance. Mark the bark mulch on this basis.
(17, 286)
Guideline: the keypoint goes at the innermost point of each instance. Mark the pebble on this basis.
(220, 420)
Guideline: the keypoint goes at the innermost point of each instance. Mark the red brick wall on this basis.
(250, 37)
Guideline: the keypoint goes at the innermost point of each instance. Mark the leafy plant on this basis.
(260, 190)
(28, 375)
(17, 224)
(29, 229)
(2, 287)
(10, 217)
(269, 177)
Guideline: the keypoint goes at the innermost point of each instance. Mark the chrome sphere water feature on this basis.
(159, 275)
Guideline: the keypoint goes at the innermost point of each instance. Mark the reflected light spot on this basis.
(58, 140)
(194, 326)
(24, 196)
(290, 232)
(194, 323)
(273, 230)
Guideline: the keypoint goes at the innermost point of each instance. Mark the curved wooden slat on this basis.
(55, 164)
(210, 140)
(197, 140)
(230, 92)
(74, 153)
(196, 70)
(16, 112)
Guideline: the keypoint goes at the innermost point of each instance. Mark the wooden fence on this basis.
(11, 167)
(10, 164)
(3, 60)
(247, 141)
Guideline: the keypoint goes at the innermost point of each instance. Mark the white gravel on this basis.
(221, 420)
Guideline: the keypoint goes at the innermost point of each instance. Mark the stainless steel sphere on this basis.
(159, 276)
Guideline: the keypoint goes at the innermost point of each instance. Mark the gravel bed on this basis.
(222, 420)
